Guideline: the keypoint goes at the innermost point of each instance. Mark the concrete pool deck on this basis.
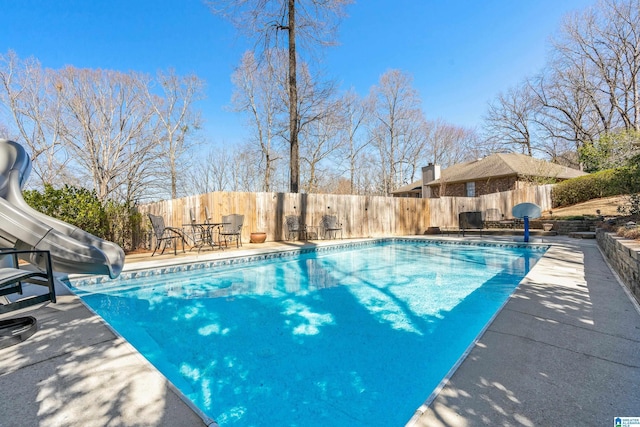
(564, 350)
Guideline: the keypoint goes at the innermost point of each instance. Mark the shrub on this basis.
(627, 178)
(574, 217)
(611, 150)
(632, 207)
(633, 234)
(76, 206)
(116, 222)
(124, 225)
(629, 232)
(583, 188)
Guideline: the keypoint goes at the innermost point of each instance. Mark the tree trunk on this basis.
(267, 173)
(294, 161)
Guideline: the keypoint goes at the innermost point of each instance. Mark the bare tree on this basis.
(367, 180)
(318, 122)
(565, 110)
(398, 128)
(100, 129)
(4, 130)
(139, 180)
(354, 112)
(245, 176)
(173, 108)
(585, 76)
(605, 40)
(106, 117)
(313, 21)
(510, 118)
(449, 144)
(209, 172)
(590, 87)
(320, 141)
(256, 94)
(31, 99)
(226, 169)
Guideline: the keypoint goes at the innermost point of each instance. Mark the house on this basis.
(492, 174)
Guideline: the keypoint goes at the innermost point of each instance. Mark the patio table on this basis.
(206, 231)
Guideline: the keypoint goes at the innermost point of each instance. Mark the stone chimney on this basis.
(430, 173)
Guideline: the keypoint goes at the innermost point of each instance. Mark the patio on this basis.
(563, 351)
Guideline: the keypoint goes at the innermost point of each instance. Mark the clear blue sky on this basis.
(461, 53)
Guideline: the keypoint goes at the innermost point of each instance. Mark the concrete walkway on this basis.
(75, 372)
(565, 350)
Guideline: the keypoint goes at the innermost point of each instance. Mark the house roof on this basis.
(495, 166)
(414, 187)
(504, 164)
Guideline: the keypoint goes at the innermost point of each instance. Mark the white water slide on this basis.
(22, 227)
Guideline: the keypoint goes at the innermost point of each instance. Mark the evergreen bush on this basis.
(124, 225)
(74, 205)
(115, 222)
(583, 188)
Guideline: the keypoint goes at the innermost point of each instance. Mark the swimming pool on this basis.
(334, 337)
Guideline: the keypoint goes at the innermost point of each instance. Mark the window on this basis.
(471, 189)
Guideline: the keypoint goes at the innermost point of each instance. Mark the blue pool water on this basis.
(352, 337)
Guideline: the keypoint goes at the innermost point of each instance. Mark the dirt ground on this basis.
(608, 206)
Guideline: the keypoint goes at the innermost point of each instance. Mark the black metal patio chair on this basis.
(231, 229)
(165, 236)
(295, 227)
(470, 221)
(331, 226)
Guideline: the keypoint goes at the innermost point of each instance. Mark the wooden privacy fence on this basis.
(360, 216)
(444, 211)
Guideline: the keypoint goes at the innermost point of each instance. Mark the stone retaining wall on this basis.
(568, 226)
(624, 257)
(563, 227)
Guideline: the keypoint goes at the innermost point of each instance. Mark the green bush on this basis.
(574, 217)
(115, 222)
(612, 150)
(583, 188)
(627, 178)
(124, 225)
(76, 206)
(611, 182)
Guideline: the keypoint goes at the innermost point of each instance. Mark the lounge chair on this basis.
(232, 229)
(165, 236)
(470, 221)
(330, 225)
(13, 277)
(295, 227)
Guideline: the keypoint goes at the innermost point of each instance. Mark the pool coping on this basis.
(18, 362)
(532, 319)
(201, 264)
